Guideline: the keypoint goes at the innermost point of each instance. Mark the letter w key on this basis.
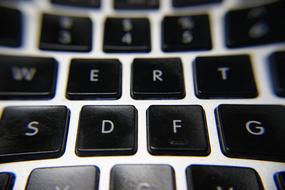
(27, 77)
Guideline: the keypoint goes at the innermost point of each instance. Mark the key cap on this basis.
(27, 77)
(224, 77)
(115, 129)
(222, 178)
(280, 180)
(157, 79)
(33, 132)
(94, 79)
(186, 33)
(187, 3)
(64, 33)
(64, 178)
(256, 26)
(184, 130)
(78, 3)
(261, 128)
(6, 181)
(127, 35)
(142, 177)
(136, 4)
(277, 67)
(11, 27)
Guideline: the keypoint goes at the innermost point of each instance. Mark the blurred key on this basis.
(11, 27)
(78, 3)
(136, 4)
(277, 66)
(187, 3)
(6, 181)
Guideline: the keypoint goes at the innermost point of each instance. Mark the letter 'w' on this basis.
(23, 73)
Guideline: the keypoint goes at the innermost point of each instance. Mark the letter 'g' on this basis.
(255, 128)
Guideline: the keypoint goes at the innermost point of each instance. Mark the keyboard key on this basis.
(184, 33)
(64, 33)
(134, 4)
(27, 77)
(6, 181)
(222, 178)
(187, 3)
(280, 180)
(157, 79)
(220, 77)
(184, 130)
(127, 35)
(94, 79)
(64, 178)
(78, 3)
(115, 129)
(261, 128)
(256, 26)
(33, 132)
(277, 66)
(11, 27)
(142, 177)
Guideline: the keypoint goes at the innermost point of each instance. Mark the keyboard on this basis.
(142, 95)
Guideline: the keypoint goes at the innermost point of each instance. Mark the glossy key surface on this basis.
(114, 129)
(135, 4)
(177, 130)
(27, 77)
(11, 27)
(277, 67)
(141, 177)
(64, 178)
(252, 131)
(78, 3)
(157, 79)
(220, 77)
(33, 132)
(202, 177)
(94, 79)
(65, 33)
(255, 26)
(187, 3)
(6, 181)
(186, 33)
(127, 35)
(280, 180)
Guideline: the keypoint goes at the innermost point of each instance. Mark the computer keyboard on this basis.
(142, 95)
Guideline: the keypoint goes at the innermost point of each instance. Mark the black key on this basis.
(78, 3)
(64, 178)
(127, 35)
(6, 181)
(261, 128)
(115, 129)
(255, 26)
(186, 33)
(33, 132)
(280, 180)
(187, 3)
(64, 33)
(184, 130)
(277, 67)
(222, 178)
(27, 77)
(142, 177)
(224, 77)
(11, 27)
(94, 79)
(134, 4)
(157, 79)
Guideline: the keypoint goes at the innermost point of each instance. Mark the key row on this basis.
(40, 132)
(151, 78)
(130, 4)
(257, 26)
(143, 176)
